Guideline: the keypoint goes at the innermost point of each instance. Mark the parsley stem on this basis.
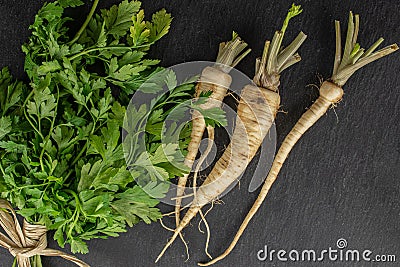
(27, 117)
(80, 154)
(50, 131)
(30, 186)
(2, 169)
(75, 215)
(75, 160)
(94, 49)
(354, 57)
(275, 59)
(37, 261)
(76, 197)
(84, 25)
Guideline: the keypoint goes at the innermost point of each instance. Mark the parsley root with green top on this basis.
(255, 114)
(216, 80)
(331, 93)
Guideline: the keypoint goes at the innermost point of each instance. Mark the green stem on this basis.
(77, 203)
(338, 51)
(274, 60)
(291, 61)
(373, 47)
(74, 195)
(262, 63)
(2, 169)
(230, 53)
(80, 153)
(29, 186)
(290, 50)
(27, 117)
(40, 124)
(343, 75)
(36, 261)
(44, 191)
(272, 53)
(50, 131)
(348, 47)
(354, 56)
(293, 12)
(93, 49)
(68, 174)
(84, 25)
(165, 103)
(75, 216)
(76, 160)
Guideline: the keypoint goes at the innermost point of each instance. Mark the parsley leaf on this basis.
(118, 19)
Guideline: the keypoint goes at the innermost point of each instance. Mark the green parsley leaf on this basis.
(118, 19)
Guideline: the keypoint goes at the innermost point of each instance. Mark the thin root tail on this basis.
(167, 245)
(213, 261)
(186, 246)
(203, 218)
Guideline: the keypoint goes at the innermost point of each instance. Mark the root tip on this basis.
(167, 245)
(205, 264)
(162, 252)
(211, 262)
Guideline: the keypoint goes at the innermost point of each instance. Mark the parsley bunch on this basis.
(61, 156)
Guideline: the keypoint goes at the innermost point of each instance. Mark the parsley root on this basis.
(331, 92)
(217, 80)
(255, 114)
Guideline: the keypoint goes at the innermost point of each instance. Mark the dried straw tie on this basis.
(26, 242)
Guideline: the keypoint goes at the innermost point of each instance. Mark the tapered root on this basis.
(330, 94)
(246, 221)
(210, 131)
(186, 246)
(236, 238)
(167, 245)
(182, 197)
(217, 80)
(203, 219)
(181, 237)
(205, 214)
(190, 214)
(168, 214)
(166, 227)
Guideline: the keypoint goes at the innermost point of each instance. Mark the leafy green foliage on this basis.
(212, 116)
(61, 154)
(148, 32)
(11, 93)
(118, 18)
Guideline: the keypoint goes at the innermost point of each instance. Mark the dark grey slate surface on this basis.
(342, 180)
